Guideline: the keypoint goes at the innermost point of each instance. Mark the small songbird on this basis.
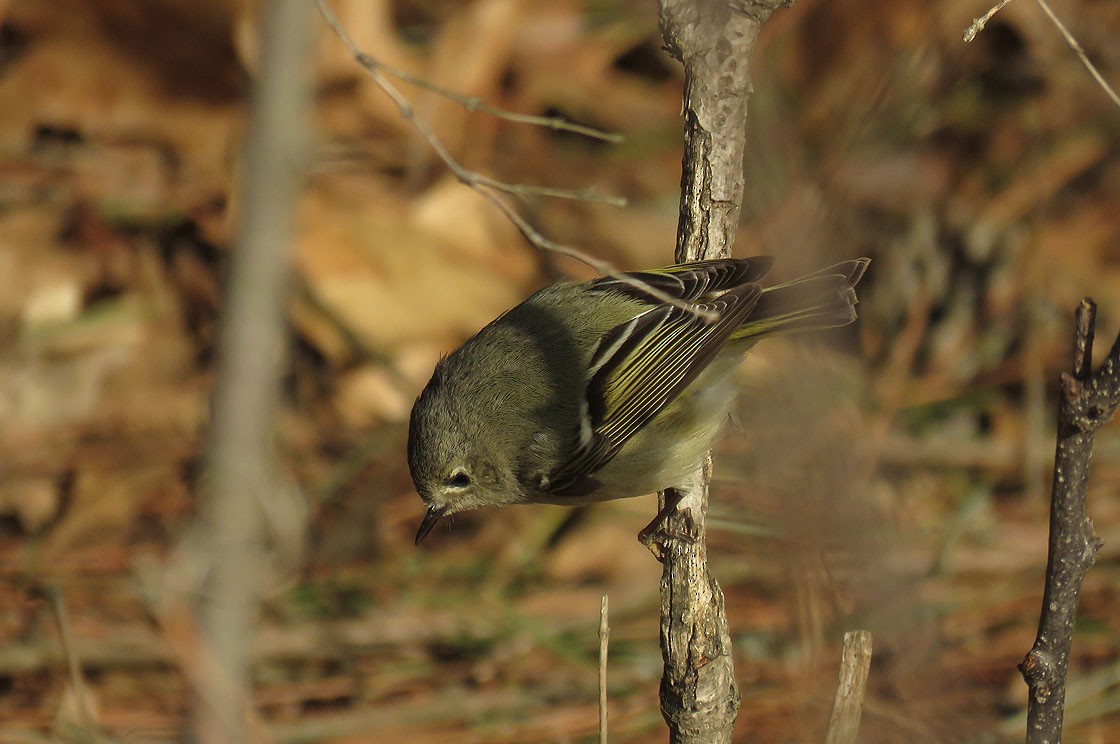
(598, 390)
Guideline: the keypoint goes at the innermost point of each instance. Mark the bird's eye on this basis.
(459, 479)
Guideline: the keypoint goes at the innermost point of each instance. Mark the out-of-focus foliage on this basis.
(903, 492)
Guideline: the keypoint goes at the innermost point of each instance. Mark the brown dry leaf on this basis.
(370, 25)
(415, 362)
(154, 125)
(38, 283)
(643, 238)
(469, 56)
(34, 501)
(60, 373)
(469, 226)
(367, 22)
(393, 275)
(1069, 157)
(605, 548)
(128, 181)
(563, 64)
(103, 508)
(39, 391)
(368, 395)
(1072, 252)
(326, 333)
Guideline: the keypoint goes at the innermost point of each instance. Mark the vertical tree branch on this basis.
(249, 363)
(604, 641)
(713, 39)
(847, 707)
(1088, 401)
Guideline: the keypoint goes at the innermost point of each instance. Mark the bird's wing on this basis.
(690, 282)
(640, 366)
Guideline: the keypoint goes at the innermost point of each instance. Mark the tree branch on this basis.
(713, 39)
(604, 642)
(847, 707)
(489, 188)
(1088, 401)
(232, 522)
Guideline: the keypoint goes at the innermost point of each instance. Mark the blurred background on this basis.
(891, 476)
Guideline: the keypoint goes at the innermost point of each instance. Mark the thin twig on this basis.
(487, 186)
(376, 70)
(978, 25)
(77, 681)
(474, 103)
(855, 665)
(1076, 47)
(604, 638)
(536, 238)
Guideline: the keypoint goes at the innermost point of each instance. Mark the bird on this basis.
(598, 390)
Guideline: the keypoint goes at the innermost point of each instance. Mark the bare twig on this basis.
(376, 70)
(604, 642)
(491, 188)
(978, 25)
(77, 681)
(855, 665)
(474, 103)
(1076, 47)
(1088, 400)
(232, 522)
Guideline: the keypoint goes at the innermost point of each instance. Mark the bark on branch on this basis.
(232, 521)
(1088, 400)
(847, 708)
(713, 39)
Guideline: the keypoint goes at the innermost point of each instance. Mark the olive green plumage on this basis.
(594, 391)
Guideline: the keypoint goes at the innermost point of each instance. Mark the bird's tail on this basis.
(823, 299)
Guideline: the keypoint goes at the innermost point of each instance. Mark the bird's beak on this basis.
(430, 519)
